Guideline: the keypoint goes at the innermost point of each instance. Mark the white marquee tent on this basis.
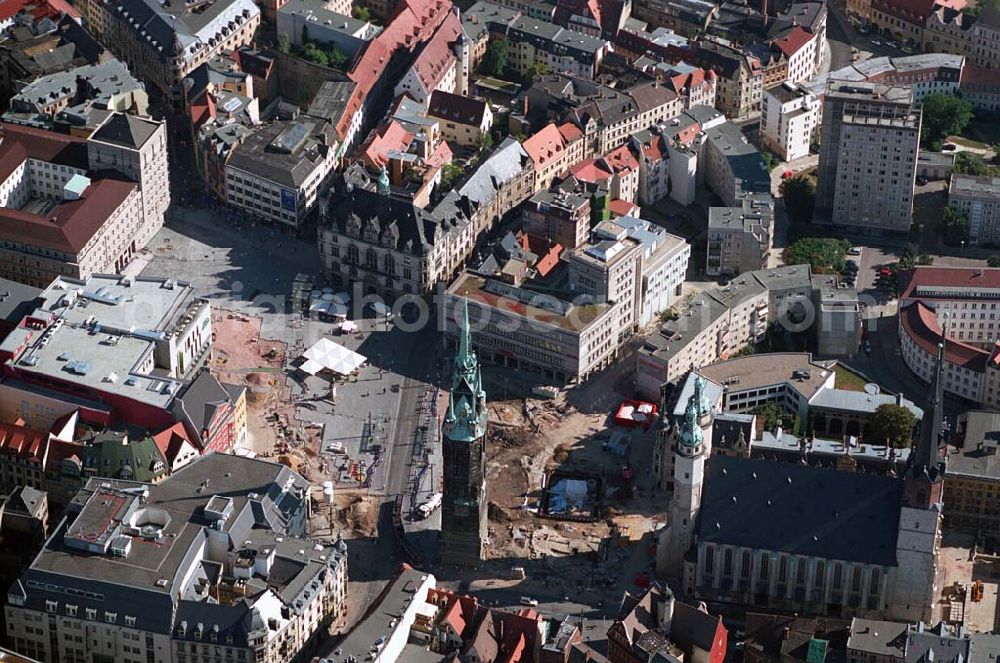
(325, 354)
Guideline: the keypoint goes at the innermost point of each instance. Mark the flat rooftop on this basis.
(766, 370)
(979, 454)
(103, 331)
(539, 308)
(970, 185)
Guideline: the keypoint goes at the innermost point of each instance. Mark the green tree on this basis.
(993, 261)
(943, 115)
(925, 259)
(770, 160)
(892, 424)
(336, 57)
(485, 141)
(799, 194)
(824, 254)
(497, 56)
(313, 54)
(770, 414)
(449, 175)
(283, 44)
(969, 163)
(954, 227)
(361, 13)
(535, 71)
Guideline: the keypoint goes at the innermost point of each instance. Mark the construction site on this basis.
(564, 497)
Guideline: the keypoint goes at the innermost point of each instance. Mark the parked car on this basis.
(854, 251)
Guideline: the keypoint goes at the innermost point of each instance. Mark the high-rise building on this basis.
(868, 157)
(463, 508)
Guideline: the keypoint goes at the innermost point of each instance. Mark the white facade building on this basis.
(788, 121)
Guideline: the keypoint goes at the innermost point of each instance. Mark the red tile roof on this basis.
(570, 132)
(547, 144)
(682, 84)
(441, 155)
(72, 223)
(620, 207)
(413, 24)
(548, 252)
(654, 149)
(621, 159)
(949, 277)
(38, 8)
(19, 440)
(795, 40)
(590, 171)
(437, 57)
(387, 138)
(920, 324)
(18, 143)
(980, 76)
(171, 440)
(459, 610)
(914, 11)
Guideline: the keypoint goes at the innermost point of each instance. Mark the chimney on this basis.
(525, 109)
(785, 632)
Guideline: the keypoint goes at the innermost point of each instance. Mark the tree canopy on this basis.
(799, 194)
(970, 163)
(943, 115)
(892, 424)
(497, 56)
(824, 254)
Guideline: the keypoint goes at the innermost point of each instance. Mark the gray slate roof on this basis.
(800, 510)
(126, 131)
(859, 401)
(503, 165)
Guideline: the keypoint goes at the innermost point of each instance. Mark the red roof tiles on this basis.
(621, 159)
(920, 324)
(547, 144)
(437, 57)
(794, 41)
(72, 223)
(913, 281)
(391, 137)
(980, 76)
(18, 143)
(413, 24)
(19, 440)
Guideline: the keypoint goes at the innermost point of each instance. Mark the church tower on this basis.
(692, 448)
(463, 507)
(919, 537)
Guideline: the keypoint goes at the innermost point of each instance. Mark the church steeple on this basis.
(463, 449)
(925, 471)
(467, 415)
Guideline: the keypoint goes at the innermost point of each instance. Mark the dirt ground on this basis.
(241, 356)
(529, 438)
(353, 513)
(957, 571)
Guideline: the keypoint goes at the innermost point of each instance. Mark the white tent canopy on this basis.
(325, 354)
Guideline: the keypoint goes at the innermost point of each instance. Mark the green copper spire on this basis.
(691, 433)
(466, 417)
(465, 356)
(383, 181)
